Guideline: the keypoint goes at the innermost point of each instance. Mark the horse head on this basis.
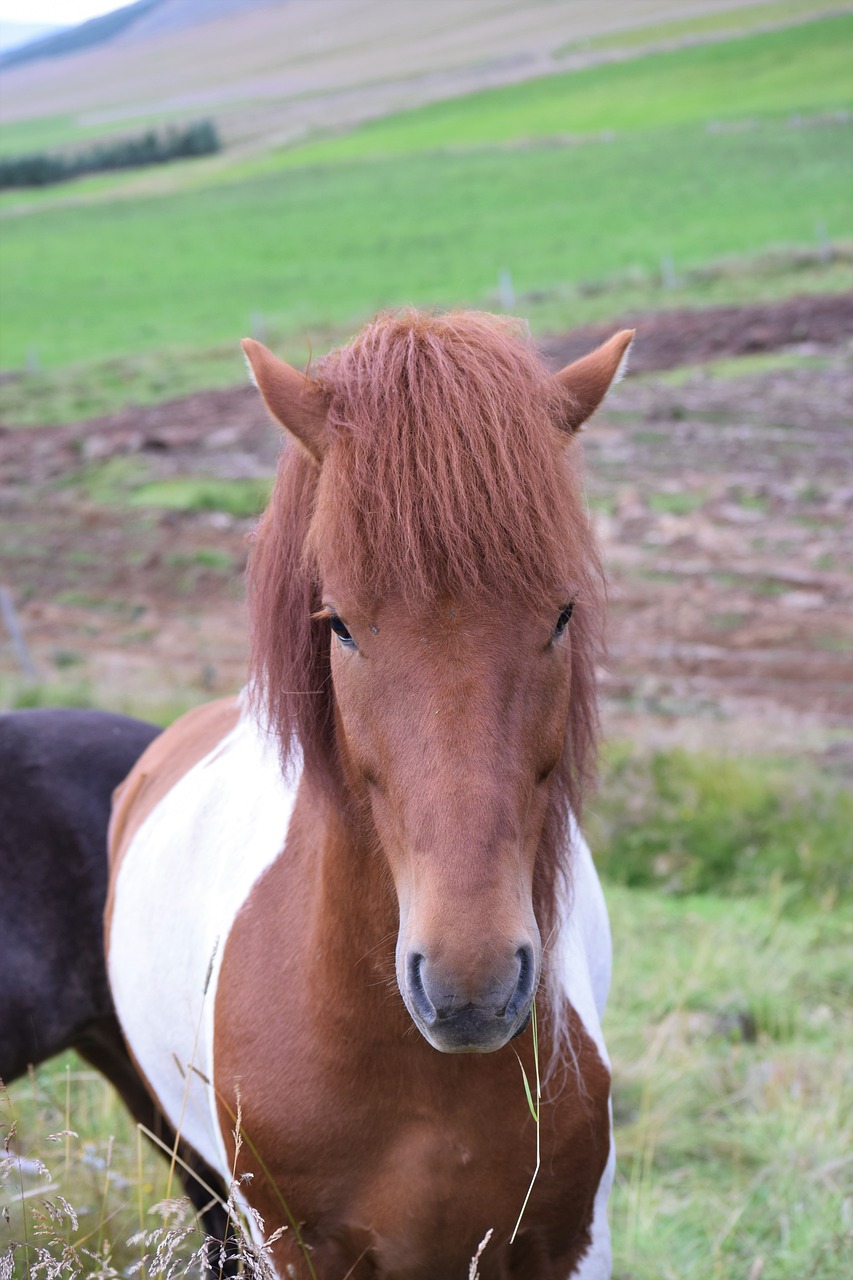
(427, 600)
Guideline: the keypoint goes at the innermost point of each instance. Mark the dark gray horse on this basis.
(58, 769)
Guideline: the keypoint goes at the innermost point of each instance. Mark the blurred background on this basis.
(176, 174)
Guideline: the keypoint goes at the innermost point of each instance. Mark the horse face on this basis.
(451, 721)
(451, 718)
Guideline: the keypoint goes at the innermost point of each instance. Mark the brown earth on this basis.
(724, 498)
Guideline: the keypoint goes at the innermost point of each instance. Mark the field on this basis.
(730, 1022)
(132, 467)
(385, 219)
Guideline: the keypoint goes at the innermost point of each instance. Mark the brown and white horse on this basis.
(390, 813)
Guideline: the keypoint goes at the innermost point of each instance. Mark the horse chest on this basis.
(399, 1172)
(394, 1159)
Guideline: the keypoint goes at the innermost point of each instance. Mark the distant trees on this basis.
(40, 168)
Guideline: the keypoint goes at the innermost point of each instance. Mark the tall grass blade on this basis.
(535, 1111)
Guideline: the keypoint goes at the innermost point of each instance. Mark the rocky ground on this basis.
(723, 493)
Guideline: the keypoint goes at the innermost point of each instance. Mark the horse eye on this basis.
(341, 631)
(563, 620)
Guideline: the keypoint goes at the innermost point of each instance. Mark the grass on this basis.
(70, 393)
(64, 690)
(739, 366)
(731, 1035)
(98, 1163)
(100, 387)
(803, 69)
(680, 503)
(692, 823)
(317, 245)
(239, 498)
(126, 482)
(22, 695)
(723, 24)
(390, 214)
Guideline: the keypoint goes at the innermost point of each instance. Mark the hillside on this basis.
(275, 73)
(67, 40)
(133, 21)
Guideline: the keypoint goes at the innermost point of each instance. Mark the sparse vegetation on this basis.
(100, 386)
(687, 823)
(240, 498)
(679, 503)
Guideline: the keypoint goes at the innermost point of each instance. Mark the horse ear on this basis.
(588, 380)
(294, 400)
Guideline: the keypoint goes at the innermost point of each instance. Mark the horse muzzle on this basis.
(455, 1018)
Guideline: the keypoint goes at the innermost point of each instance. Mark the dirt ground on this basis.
(723, 495)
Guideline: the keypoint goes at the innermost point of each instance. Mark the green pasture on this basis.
(431, 206)
(73, 392)
(317, 246)
(719, 24)
(802, 68)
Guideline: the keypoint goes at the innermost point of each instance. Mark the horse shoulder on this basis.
(194, 826)
(172, 754)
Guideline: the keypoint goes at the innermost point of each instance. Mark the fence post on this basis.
(16, 634)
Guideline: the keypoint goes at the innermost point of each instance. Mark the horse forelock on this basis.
(446, 474)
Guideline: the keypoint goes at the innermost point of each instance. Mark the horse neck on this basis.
(354, 914)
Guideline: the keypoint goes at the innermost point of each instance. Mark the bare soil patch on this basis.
(667, 339)
(724, 500)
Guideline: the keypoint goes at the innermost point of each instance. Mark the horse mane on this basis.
(447, 473)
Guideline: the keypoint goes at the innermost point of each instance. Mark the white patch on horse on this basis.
(581, 962)
(597, 1262)
(182, 881)
(582, 952)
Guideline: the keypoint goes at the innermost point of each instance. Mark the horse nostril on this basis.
(526, 980)
(423, 1006)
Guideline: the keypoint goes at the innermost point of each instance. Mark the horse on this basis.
(58, 769)
(355, 938)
